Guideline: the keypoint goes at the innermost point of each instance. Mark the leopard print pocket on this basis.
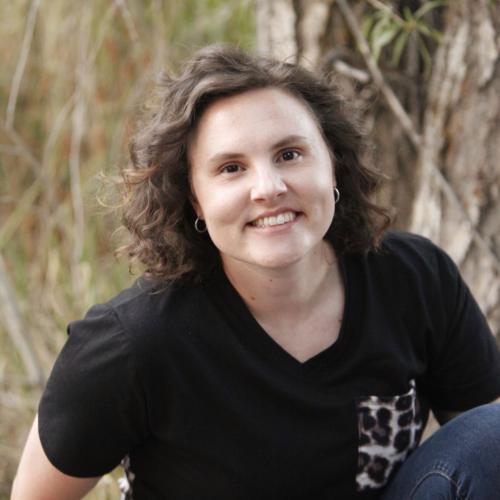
(389, 428)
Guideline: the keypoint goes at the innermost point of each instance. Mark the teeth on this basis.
(276, 220)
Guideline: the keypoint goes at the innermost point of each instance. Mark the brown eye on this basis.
(289, 155)
(230, 169)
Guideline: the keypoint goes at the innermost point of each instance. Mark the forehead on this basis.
(252, 116)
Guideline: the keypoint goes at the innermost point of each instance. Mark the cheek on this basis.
(221, 207)
(324, 198)
(323, 186)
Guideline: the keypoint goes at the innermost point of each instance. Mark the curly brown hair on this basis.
(157, 210)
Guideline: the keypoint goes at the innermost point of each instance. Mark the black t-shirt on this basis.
(206, 405)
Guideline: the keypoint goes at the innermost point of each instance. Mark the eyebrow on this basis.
(286, 141)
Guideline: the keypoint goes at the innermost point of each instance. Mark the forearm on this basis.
(38, 479)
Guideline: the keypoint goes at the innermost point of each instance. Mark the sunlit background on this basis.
(73, 77)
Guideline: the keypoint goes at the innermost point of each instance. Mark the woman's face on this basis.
(262, 178)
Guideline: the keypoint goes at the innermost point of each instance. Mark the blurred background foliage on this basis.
(384, 28)
(73, 77)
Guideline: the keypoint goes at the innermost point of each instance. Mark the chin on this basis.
(279, 261)
(270, 256)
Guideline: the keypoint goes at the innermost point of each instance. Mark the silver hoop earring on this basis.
(200, 226)
(336, 195)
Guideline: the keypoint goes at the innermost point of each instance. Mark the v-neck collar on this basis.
(256, 339)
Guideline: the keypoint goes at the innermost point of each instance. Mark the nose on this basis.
(268, 184)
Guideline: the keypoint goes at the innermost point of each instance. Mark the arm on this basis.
(38, 479)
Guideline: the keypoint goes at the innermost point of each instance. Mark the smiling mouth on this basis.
(276, 220)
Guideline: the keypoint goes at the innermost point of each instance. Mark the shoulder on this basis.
(412, 269)
(409, 245)
(146, 305)
(139, 318)
(417, 254)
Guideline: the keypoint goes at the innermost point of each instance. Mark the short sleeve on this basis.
(465, 365)
(93, 410)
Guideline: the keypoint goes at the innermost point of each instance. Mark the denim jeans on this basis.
(459, 461)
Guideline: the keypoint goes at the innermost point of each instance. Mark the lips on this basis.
(275, 220)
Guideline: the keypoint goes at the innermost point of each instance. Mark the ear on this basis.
(192, 196)
(334, 173)
(196, 206)
(332, 159)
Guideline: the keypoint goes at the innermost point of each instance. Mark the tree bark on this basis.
(276, 33)
(448, 186)
(461, 138)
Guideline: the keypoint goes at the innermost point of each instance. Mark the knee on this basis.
(488, 413)
(476, 439)
(438, 484)
(480, 425)
(460, 457)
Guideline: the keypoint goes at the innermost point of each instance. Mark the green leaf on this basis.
(408, 15)
(427, 31)
(428, 6)
(424, 52)
(383, 33)
(399, 47)
(367, 25)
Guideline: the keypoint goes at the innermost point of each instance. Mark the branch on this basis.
(377, 76)
(377, 4)
(409, 128)
(25, 202)
(448, 190)
(22, 148)
(21, 63)
(74, 170)
(351, 72)
(10, 150)
(129, 20)
(24, 205)
(18, 333)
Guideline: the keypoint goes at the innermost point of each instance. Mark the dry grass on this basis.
(73, 74)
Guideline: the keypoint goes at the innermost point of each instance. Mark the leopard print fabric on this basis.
(389, 428)
(126, 482)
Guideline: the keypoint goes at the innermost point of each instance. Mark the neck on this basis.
(289, 290)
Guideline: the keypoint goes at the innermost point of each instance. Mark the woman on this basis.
(280, 344)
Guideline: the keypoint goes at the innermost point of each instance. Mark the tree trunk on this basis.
(461, 139)
(447, 187)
